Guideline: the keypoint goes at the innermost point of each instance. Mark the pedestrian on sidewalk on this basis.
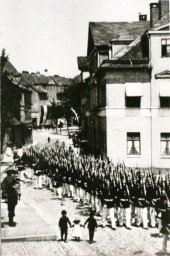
(92, 225)
(63, 224)
(12, 200)
(48, 140)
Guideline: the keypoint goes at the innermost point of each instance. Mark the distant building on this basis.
(60, 84)
(16, 123)
(45, 90)
(122, 115)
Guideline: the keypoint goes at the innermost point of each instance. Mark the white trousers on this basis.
(104, 215)
(59, 191)
(152, 215)
(125, 213)
(72, 190)
(142, 216)
(39, 181)
(165, 241)
(112, 217)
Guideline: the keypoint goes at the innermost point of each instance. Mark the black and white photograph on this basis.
(85, 127)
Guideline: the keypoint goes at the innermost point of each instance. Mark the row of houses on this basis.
(125, 99)
(26, 99)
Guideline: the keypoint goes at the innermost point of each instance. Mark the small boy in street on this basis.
(63, 224)
(92, 224)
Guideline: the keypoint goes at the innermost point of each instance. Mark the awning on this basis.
(165, 90)
(134, 90)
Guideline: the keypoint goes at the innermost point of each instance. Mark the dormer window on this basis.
(165, 47)
(118, 44)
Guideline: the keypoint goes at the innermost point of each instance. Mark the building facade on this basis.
(159, 36)
(127, 117)
(45, 90)
(16, 124)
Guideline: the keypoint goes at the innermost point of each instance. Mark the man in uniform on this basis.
(124, 204)
(142, 203)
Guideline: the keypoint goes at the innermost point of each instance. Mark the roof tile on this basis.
(104, 32)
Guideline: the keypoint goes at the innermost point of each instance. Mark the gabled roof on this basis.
(165, 20)
(103, 32)
(40, 79)
(82, 63)
(51, 81)
(9, 68)
(61, 80)
(77, 79)
(30, 79)
(135, 53)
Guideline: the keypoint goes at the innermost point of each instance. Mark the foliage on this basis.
(72, 99)
(57, 111)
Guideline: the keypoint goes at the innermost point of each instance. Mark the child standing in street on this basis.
(92, 224)
(77, 230)
(63, 224)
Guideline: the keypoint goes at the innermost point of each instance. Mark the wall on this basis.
(160, 117)
(121, 120)
(117, 128)
(158, 63)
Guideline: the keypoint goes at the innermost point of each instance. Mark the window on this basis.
(165, 144)
(43, 96)
(133, 102)
(165, 47)
(165, 102)
(133, 143)
(60, 96)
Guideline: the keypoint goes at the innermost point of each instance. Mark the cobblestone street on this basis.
(43, 211)
(108, 242)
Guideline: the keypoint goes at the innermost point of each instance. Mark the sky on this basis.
(50, 34)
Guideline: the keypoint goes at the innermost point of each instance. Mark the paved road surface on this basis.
(41, 202)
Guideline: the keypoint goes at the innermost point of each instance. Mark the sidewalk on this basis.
(29, 224)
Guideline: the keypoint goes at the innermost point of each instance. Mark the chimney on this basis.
(164, 8)
(38, 73)
(142, 17)
(154, 13)
(25, 72)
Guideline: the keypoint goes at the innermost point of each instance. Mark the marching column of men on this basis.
(125, 196)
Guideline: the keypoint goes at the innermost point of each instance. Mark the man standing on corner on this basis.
(12, 198)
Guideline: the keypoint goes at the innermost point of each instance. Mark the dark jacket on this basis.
(92, 223)
(165, 222)
(63, 222)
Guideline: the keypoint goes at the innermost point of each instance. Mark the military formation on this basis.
(123, 196)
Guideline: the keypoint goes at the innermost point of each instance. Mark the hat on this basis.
(77, 219)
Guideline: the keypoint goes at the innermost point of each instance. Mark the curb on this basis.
(30, 238)
(6, 163)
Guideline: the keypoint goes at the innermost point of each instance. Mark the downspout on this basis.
(150, 101)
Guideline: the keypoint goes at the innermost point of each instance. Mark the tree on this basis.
(72, 99)
(57, 111)
(4, 59)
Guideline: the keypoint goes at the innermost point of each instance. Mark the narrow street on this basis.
(38, 213)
